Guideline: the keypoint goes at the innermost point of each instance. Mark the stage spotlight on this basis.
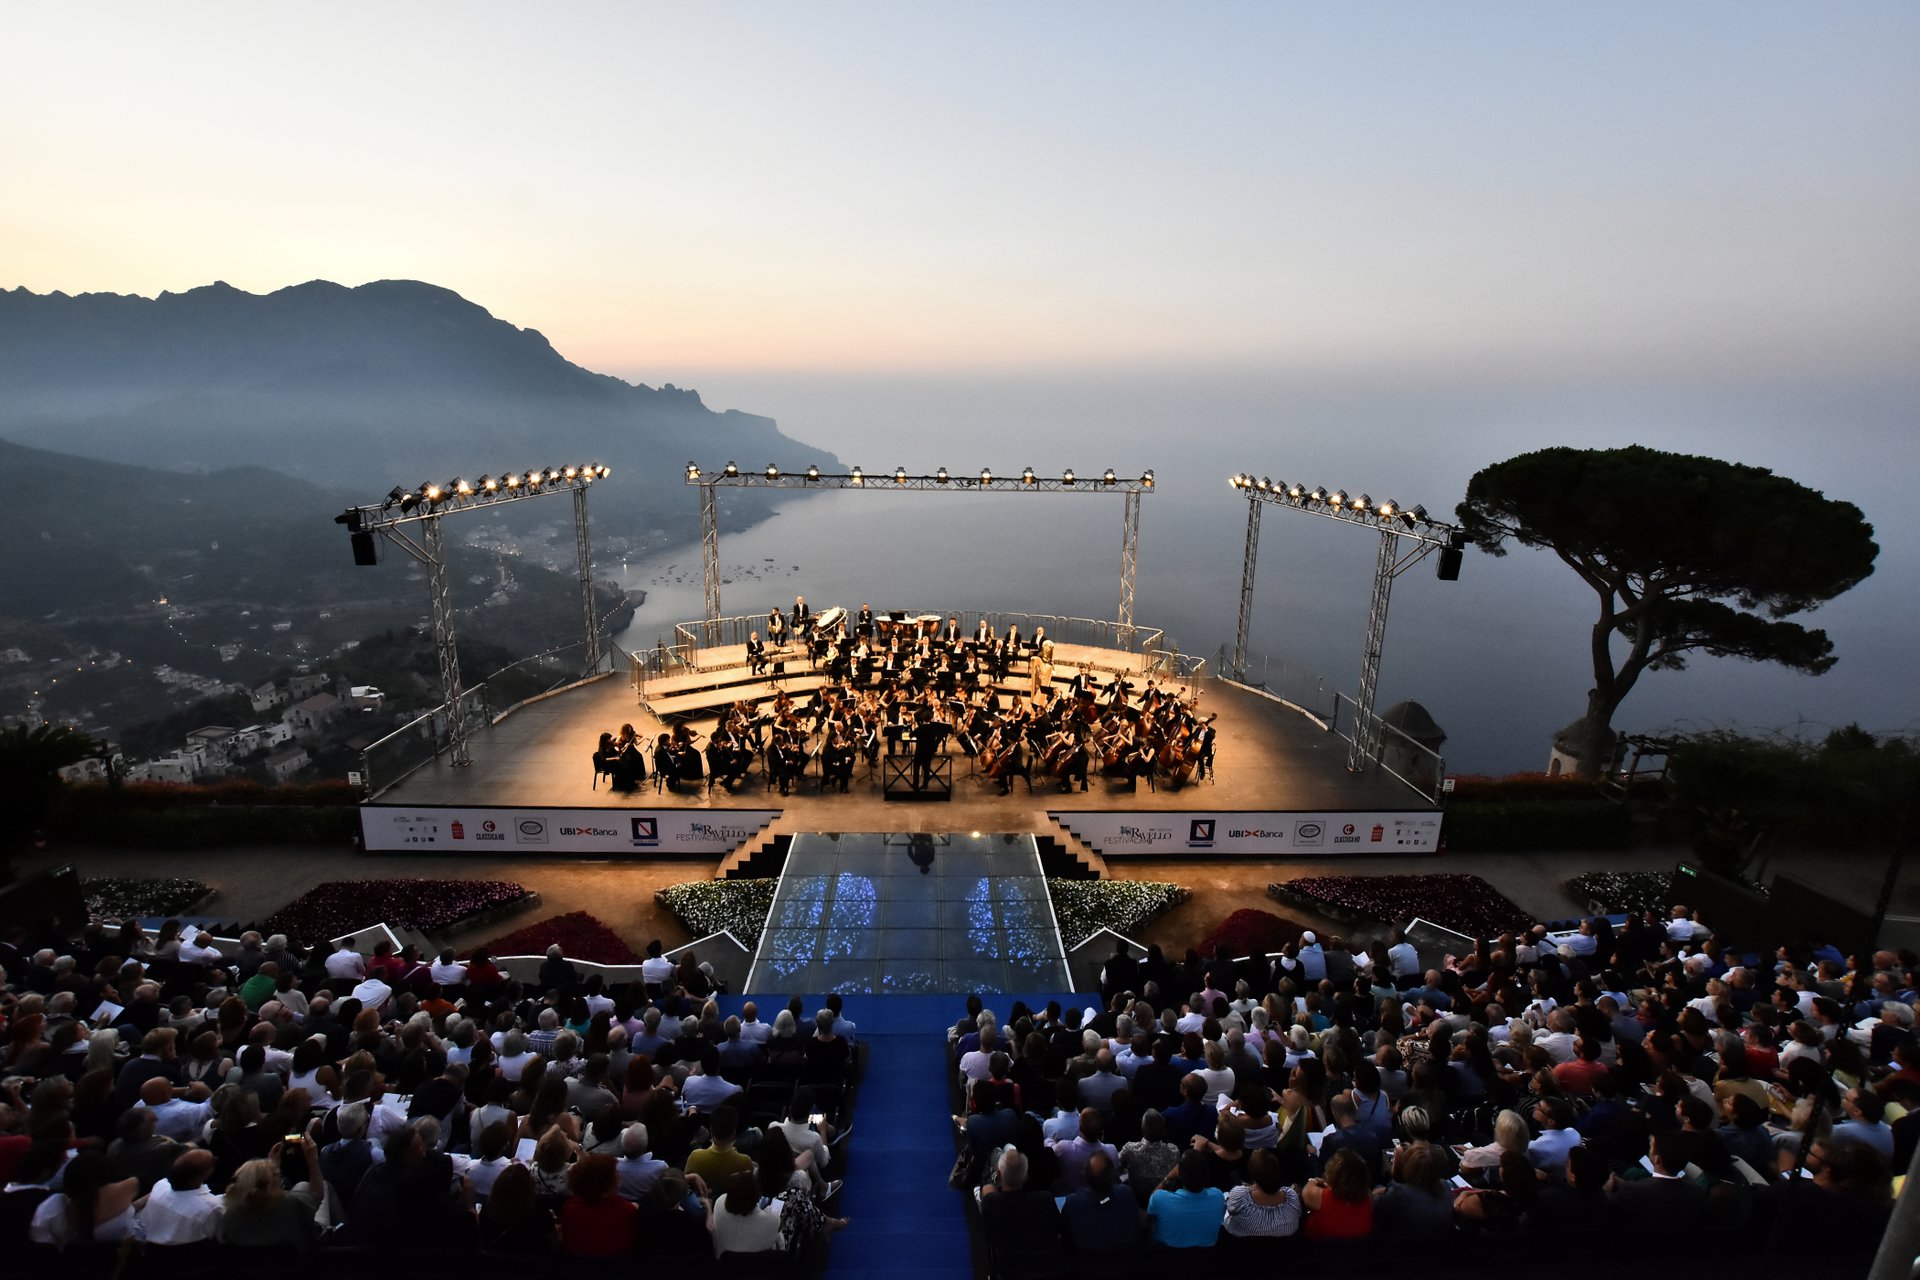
(1386, 509)
(1316, 494)
(1146, 478)
(941, 475)
(1420, 514)
(813, 473)
(1296, 492)
(489, 485)
(433, 493)
(393, 495)
(1363, 502)
(986, 476)
(534, 477)
(1026, 476)
(408, 501)
(571, 472)
(773, 472)
(899, 475)
(1066, 477)
(731, 469)
(1337, 499)
(1265, 484)
(857, 479)
(511, 480)
(462, 488)
(693, 471)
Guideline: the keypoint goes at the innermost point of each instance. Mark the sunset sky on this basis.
(694, 193)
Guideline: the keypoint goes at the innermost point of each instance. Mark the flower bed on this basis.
(1465, 904)
(1083, 906)
(581, 937)
(708, 906)
(342, 906)
(120, 897)
(1618, 891)
(1251, 932)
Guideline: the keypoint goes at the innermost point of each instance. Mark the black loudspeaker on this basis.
(1450, 558)
(365, 550)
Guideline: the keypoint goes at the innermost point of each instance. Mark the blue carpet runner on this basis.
(904, 1219)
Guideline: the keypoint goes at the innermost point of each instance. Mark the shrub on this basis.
(1084, 906)
(1618, 891)
(1465, 904)
(119, 897)
(581, 937)
(340, 907)
(708, 906)
(1249, 931)
(1582, 821)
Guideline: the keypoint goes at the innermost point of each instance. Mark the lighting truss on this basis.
(1397, 526)
(426, 505)
(1026, 480)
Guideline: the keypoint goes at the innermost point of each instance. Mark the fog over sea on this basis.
(1498, 657)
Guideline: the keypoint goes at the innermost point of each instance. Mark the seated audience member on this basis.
(596, 1221)
(261, 1213)
(739, 1222)
(91, 1208)
(513, 1220)
(1101, 1215)
(1266, 1205)
(180, 1209)
(1017, 1218)
(1339, 1203)
(1186, 1212)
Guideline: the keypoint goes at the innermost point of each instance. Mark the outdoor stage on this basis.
(1281, 787)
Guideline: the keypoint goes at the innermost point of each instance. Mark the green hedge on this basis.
(187, 827)
(1513, 826)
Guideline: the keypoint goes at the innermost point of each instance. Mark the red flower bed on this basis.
(1248, 932)
(581, 937)
(342, 906)
(1465, 904)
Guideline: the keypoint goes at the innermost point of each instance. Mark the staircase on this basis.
(1066, 856)
(759, 858)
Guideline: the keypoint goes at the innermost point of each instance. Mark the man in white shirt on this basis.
(1558, 1039)
(180, 1209)
(1194, 1015)
(1583, 942)
(346, 964)
(1680, 928)
(447, 971)
(178, 1118)
(752, 1030)
(1557, 1134)
(1403, 961)
(201, 950)
(656, 970)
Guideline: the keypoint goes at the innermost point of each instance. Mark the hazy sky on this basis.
(689, 193)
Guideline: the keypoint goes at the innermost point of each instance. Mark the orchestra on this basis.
(910, 686)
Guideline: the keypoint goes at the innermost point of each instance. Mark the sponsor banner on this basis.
(462, 828)
(1318, 834)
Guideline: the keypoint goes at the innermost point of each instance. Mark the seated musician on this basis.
(628, 764)
(950, 634)
(604, 756)
(802, 616)
(792, 751)
(776, 627)
(756, 653)
(982, 633)
(837, 759)
(664, 764)
(1039, 641)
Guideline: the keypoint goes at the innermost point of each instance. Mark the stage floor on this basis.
(908, 914)
(1268, 757)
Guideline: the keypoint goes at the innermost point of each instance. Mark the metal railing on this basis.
(1417, 765)
(1288, 681)
(487, 703)
(690, 638)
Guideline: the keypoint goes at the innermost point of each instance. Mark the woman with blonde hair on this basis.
(261, 1214)
(1510, 1134)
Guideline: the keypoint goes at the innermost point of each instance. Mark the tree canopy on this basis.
(1686, 554)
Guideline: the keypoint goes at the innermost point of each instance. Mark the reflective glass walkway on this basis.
(892, 914)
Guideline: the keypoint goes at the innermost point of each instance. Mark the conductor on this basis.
(928, 734)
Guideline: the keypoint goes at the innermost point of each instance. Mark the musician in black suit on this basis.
(950, 634)
(982, 633)
(776, 627)
(756, 653)
(863, 625)
(802, 616)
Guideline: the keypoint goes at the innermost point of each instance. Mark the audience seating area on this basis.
(1632, 1096)
(386, 1114)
